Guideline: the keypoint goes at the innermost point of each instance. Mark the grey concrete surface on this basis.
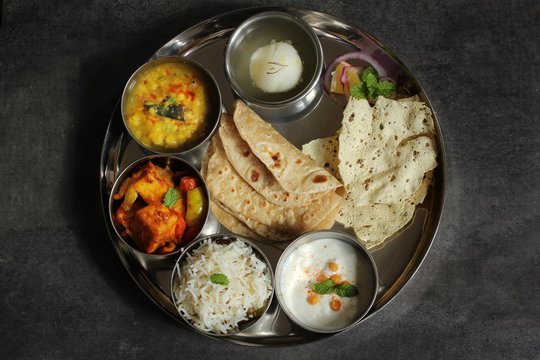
(64, 293)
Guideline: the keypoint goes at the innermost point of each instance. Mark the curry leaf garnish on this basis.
(371, 87)
(168, 108)
(219, 279)
(171, 100)
(171, 197)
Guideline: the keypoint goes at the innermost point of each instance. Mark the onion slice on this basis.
(355, 55)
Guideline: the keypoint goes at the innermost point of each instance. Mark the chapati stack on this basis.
(263, 187)
(384, 156)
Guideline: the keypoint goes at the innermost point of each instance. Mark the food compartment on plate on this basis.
(326, 281)
(171, 105)
(222, 284)
(158, 204)
(274, 62)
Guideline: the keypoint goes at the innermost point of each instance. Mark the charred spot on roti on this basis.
(276, 159)
(286, 196)
(320, 179)
(246, 153)
(254, 175)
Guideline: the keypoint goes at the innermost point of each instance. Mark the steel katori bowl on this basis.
(161, 134)
(182, 294)
(259, 31)
(120, 216)
(302, 272)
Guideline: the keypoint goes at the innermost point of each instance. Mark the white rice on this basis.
(218, 308)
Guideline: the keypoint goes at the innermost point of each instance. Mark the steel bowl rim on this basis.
(214, 237)
(173, 59)
(126, 172)
(315, 76)
(317, 235)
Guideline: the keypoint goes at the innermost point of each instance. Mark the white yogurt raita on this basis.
(309, 264)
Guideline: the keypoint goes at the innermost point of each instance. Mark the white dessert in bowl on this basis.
(276, 67)
(274, 63)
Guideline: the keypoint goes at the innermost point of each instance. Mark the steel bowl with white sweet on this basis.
(274, 63)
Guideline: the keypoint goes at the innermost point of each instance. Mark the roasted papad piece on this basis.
(378, 222)
(385, 156)
(385, 151)
(325, 153)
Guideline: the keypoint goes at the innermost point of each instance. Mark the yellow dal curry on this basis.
(167, 107)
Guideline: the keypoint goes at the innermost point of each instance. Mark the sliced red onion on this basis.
(343, 76)
(355, 55)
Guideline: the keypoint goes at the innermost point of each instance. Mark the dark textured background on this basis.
(63, 292)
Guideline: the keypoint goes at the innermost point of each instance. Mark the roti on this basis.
(253, 171)
(293, 170)
(229, 188)
(232, 223)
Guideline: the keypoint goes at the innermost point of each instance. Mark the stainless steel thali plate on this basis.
(205, 42)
